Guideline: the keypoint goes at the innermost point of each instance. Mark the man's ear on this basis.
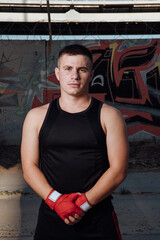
(56, 70)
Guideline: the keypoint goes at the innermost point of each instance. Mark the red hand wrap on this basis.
(52, 198)
(65, 205)
(83, 203)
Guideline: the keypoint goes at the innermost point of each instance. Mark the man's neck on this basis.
(74, 104)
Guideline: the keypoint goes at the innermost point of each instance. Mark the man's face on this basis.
(74, 74)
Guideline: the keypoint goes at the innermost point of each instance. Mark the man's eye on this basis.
(83, 70)
(67, 68)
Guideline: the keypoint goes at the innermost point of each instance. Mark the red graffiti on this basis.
(127, 78)
(7, 72)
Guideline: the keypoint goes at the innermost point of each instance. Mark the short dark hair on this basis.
(76, 49)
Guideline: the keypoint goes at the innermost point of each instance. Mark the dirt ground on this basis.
(144, 156)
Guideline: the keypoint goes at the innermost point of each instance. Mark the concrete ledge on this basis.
(141, 182)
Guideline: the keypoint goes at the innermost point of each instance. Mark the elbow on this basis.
(124, 171)
(27, 175)
(29, 172)
(123, 175)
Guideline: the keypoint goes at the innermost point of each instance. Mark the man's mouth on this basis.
(74, 84)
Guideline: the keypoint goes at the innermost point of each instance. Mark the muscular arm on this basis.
(117, 147)
(30, 154)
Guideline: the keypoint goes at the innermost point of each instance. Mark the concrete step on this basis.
(141, 182)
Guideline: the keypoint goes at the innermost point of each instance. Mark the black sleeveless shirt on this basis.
(72, 146)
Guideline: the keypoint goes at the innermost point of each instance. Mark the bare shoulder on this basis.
(35, 116)
(110, 112)
(111, 116)
(36, 112)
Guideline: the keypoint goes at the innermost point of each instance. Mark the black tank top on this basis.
(72, 148)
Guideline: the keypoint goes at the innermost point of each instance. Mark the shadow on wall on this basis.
(9, 155)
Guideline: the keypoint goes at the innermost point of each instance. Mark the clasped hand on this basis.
(67, 209)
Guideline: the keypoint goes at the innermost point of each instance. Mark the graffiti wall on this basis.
(126, 75)
(22, 76)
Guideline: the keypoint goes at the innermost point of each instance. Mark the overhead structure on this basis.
(80, 11)
(82, 17)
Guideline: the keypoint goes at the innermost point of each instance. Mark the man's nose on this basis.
(75, 74)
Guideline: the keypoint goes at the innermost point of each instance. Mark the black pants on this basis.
(99, 223)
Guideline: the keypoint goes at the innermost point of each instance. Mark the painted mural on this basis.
(126, 75)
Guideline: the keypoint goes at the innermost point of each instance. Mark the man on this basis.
(74, 155)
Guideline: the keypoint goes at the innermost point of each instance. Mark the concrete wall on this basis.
(126, 75)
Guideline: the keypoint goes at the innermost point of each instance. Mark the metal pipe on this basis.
(49, 21)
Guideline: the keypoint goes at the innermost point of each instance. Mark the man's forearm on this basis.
(105, 186)
(37, 181)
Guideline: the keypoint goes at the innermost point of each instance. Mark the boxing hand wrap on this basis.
(52, 198)
(83, 203)
(65, 205)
